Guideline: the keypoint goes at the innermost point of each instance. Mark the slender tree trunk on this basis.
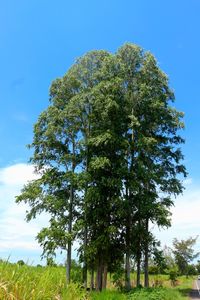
(85, 260)
(85, 267)
(139, 251)
(92, 279)
(71, 200)
(146, 255)
(68, 267)
(69, 244)
(127, 260)
(105, 272)
(138, 269)
(99, 279)
(128, 225)
(127, 241)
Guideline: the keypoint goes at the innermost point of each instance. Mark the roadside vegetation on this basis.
(23, 282)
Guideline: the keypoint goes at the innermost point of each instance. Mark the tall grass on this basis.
(48, 283)
(36, 283)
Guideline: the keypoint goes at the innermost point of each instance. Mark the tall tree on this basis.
(154, 159)
(56, 156)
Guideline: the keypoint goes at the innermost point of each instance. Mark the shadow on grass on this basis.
(185, 291)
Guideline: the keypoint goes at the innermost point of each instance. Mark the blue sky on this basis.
(40, 40)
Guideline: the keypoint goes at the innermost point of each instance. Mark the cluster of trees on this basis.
(107, 150)
(177, 260)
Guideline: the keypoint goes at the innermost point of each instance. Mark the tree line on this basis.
(107, 150)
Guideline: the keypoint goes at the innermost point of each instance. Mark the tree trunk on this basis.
(92, 280)
(69, 244)
(105, 272)
(85, 268)
(139, 255)
(127, 262)
(146, 255)
(85, 261)
(127, 272)
(138, 269)
(99, 279)
(68, 267)
(127, 251)
(71, 200)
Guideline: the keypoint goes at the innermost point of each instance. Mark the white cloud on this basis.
(17, 174)
(185, 218)
(15, 233)
(17, 236)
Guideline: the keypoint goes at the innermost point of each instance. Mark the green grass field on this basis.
(48, 283)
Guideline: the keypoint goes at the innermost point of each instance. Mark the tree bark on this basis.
(138, 269)
(99, 279)
(92, 280)
(69, 244)
(146, 255)
(127, 262)
(71, 200)
(139, 253)
(105, 272)
(85, 267)
(68, 267)
(127, 241)
(85, 261)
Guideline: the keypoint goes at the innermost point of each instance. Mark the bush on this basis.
(118, 279)
(173, 275)
(21, 262)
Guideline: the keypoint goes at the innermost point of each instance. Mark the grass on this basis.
(26, 282)
(108, 295)
(48, 283)
(165, 292)
(156, 294)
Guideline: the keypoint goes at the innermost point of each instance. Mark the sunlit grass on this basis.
(49, 283)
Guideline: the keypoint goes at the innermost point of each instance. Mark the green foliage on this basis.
(107, 154)
(117, 278)
(198, 266)
(153, 269)
(21, 262)
(155, 294)
(184, 253)
(50, 262)
(28, 282)
(158, 263)
(76, 272)
(192, 270)
(173, 275)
